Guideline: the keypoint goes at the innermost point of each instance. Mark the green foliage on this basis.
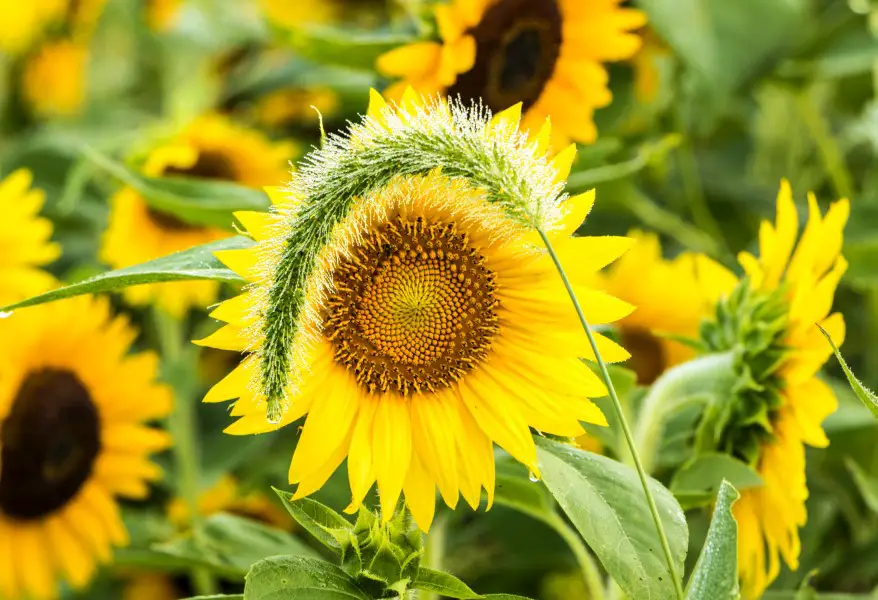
(698, 481)
(866, 396)
(189, 265)
(300, 578)
(716, 573)
(605, 501)
(442, 583)
(344, 47)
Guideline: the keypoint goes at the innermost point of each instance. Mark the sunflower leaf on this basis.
(194, 264)
(327, 526)
(194, 201)
(604, 500)
(343, 47)
(866, 396)
(866, 484)
(716, 572)
(503, 597)
(300, 578)
(697, 482)
(442, 583)
(218, 597)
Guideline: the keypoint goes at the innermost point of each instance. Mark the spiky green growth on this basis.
(752, 324)
(513, 171)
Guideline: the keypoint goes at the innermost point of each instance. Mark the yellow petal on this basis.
(226, 338)
(258, 224)
(508, 119)
(361, 474)
(563, 163)
(233, 385)
(316, 478)
(411, 61)
(420, 494)
(433, 431)
(235, 311)
(74, 559)
(576, 210)
(392, 450)
(244, 262)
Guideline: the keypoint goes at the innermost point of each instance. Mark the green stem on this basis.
(184, 430)
(590, 572)
(434, 551)
(709, 374)
(830, 153)
(629, 438)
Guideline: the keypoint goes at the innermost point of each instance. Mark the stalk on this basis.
(617, 405)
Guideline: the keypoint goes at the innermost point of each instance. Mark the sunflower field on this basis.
(436, 299)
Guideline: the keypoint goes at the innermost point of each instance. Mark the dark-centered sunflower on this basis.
(770, 320)
(548, 55)
(73, 437)
(24, 240)
(212, 147)
(433, 323)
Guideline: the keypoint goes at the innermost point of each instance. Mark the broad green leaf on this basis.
(504, 597)
(349, 47)
(300, 578)
(327, 526)
(725, 42)
(442, 583)
(604, 499)
(193, 264)
(192, 200)
(866, 484)
(218, 597)
(812, 595)
(699, 480)
(716, 573)
(866, 396)
(231, 544)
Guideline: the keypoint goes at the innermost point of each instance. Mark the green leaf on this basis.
(699, 480)
(504, 597)
(442, 583)
(866, 484)
(343, 47)
(716, 573)
(193, 264)
(231, 544)
(652, 152)
(193, 200)
(725, 42)
(300, 578)
(327, 526)
(866, 396)
(512, 488)
(218, 597)
(604, 500)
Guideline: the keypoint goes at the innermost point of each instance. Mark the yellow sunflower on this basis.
(72, 439)
(787, 292)
(55, 78)
(434, 325)
(24, 22)
(546, 54)
(672, 297)
(24, 240)
(295, 106)
(212, 147)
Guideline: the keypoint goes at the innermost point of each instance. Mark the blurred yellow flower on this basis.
(546, 54)
(161, 14)
(226, 496)
(72, 438)
(55, 78)
(24, 240)
(796, 401)
(22, 23)
(671, 296)
(295, 106)
(212, 147)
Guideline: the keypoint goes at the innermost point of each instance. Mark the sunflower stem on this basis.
(590, 573)
(617, 405)
(434, 551)
(184, 430)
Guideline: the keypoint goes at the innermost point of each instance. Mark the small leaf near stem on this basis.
(866, 396)
(629, 438)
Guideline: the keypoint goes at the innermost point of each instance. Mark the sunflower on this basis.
(72, 439)
(24, 22)
(161, 15)
(54, 80)
(24, 240)
(672, 297)
(433, 325)
(546, 54)
(212, 147)
(770, 320)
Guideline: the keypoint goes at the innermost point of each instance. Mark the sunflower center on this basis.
(210, 165)
(518, 43)
(648, 358)
(413, 307)
(48, 444)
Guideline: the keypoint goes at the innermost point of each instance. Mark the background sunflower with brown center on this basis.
(548, 55)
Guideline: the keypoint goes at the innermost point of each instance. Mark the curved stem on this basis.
(676, 387)
(590, 572)
(629, 438)
(184, 431)
(434, 551)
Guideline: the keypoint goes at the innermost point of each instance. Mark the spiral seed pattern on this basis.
(413, 307)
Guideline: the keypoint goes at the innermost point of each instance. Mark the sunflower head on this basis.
(770, 323)
(547, 55)
(400, 298)
(211, 147)
(73, 438)
(55, 78)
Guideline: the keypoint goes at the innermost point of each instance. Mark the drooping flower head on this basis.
(771, 320)
(402, 300)
(212, 147)
(73, 438)
(547, 55)
(24, 240)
